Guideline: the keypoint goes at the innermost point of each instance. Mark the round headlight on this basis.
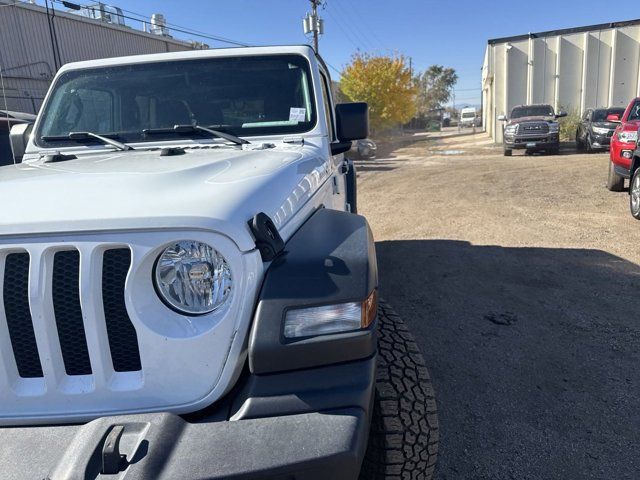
(193, 278)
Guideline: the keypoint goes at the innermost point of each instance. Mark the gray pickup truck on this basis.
(533, 128)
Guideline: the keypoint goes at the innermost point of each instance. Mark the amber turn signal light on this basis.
(369, 309)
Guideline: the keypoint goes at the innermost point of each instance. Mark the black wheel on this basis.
(589, 147)
(403, 441)
(634, 195)
(507, 152)
(554, 150)
(615, 182)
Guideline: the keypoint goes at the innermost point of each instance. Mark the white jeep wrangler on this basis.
(185, 288)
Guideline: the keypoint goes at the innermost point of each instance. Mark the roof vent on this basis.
(159, 25)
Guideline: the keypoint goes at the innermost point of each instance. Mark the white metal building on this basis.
(35, 42)
(571, 69)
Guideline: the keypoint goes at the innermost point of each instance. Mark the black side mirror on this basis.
(19, 137)
(352, 121)
(561, 114)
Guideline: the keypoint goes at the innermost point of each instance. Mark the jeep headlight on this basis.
(554, 127)
(628, 137)
(323, 320)
(510, 130)
(600, 130)
(192, 278)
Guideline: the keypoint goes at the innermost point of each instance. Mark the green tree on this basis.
(434, 88)
(385, 83)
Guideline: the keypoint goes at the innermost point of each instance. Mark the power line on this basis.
(357, 30)
(175, 28)
(333, 68)
(344, 32)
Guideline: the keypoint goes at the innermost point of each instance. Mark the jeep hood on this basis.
(219, 189)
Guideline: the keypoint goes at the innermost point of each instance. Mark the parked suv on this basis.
(623, 144)
(187, 290)
(532, 128)
(596, 128)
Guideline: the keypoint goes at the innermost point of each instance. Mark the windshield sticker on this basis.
(297, 114)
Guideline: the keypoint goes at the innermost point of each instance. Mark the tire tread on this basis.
(403, 443)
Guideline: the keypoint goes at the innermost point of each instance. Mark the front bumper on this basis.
(300, 440)
(621, 153)
(600, 141)
(305, 446)
(542, 142)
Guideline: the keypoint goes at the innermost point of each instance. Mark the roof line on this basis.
(565, 31)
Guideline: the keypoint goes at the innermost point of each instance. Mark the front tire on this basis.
(508, 152)
(403, 441)
(634, 195)
(615, 182)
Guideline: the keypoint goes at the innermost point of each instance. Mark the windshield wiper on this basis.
(197, 128)
(79, 136)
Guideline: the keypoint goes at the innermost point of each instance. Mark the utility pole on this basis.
(314, 14)
(313, 24)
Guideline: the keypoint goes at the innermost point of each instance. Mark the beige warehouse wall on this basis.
(625, 70)
(571, 53)
(573, 71)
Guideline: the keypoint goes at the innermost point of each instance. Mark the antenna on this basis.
(6, 109)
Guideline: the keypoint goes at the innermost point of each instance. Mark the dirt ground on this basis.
(518, 276)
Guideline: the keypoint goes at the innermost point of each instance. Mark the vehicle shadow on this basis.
(534, 355)
(566, 148)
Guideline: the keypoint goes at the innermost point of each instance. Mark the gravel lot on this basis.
(518, 278)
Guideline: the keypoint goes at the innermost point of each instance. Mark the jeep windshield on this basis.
(532, 111)
(243, 96)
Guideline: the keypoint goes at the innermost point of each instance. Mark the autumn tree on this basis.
(385, 83)
(434, 88)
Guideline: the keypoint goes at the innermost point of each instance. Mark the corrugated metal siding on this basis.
(573, 71)
(27, 55)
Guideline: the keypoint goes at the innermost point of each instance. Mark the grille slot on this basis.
(15, 293)
(537, 128)
(123, 340)
(68, 312)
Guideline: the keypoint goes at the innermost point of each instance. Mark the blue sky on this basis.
(452, 33)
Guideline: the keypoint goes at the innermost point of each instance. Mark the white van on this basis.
(468, 117)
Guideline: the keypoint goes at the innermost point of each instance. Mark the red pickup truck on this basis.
(623, 144)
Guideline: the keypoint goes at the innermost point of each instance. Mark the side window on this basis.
(328, 106)
(634, 114)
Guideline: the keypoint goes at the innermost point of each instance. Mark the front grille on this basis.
(123, 341)
(15, 296)
(68, 312)
(533, 128)
(64, 286)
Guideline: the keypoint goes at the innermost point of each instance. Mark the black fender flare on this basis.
(330, 260)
